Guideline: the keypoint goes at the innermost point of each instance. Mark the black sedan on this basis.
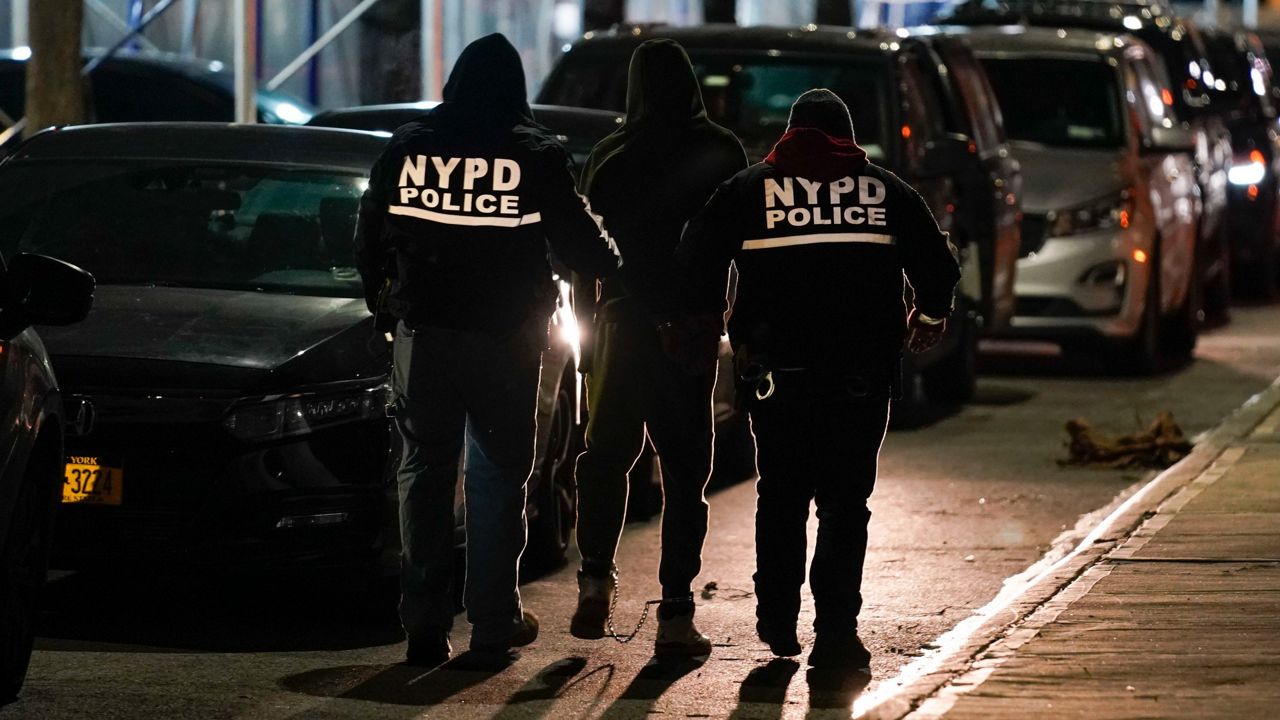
(236, 379)
(33, 289)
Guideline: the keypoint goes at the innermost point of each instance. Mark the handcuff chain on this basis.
(613, 605)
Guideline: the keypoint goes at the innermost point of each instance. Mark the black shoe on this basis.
(780, 637)
(429, 649)
(523, 633)
(840, 654)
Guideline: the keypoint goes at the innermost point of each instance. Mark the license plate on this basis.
(89, 482)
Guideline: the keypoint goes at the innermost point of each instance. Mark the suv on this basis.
(1245, 100)
(33, 289)
(901, 115)
(1112, 206)
(1180, 50)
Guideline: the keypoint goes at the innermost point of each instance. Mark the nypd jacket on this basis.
(464, 205)
(822, 240)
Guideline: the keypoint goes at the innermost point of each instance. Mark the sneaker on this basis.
(522, 633)
(847, 656)
(429, 649)
(780, 637)
(595, 598)
(677, 635)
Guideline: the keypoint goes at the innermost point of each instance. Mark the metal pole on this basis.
(1251, 13)
(116, 23)
(142, 25)
(330, 35)
(432, 49)
(18, 23)
(190, 13)
(245, 22)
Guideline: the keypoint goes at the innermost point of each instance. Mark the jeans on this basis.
(447, 383)
(634, 386)
(822, 448)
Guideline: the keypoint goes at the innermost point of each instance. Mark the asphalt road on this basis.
(962, 503)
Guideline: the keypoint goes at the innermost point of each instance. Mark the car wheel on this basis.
(953, 380)
(24, 562)
(1140, 354)
(1182, 329)
(1217, 291)
(1256, 278)
(554, 498)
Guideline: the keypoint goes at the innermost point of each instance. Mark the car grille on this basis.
(1034, 230)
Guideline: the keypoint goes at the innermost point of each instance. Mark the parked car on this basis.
(136, 86)
(578, 129)
(237, 380)
(1245, 98)
(1110, 196)
(1181, 53)
(33, 289)
(750, 77)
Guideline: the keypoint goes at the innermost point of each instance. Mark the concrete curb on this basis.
(960, 656)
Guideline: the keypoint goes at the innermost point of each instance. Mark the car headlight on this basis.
(1249, 170)
(1113, 211)
(302, 413)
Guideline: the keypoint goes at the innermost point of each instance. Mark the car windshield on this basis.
(1082, 109)
(750, 95)
(176, 225)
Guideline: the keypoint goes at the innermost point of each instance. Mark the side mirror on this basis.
(1175, 139)
(946, 155)
(41, 290)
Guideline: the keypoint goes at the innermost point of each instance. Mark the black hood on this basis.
(488, 81)
(664, 106)
(821, 109)
(662, 89)
(184, 339)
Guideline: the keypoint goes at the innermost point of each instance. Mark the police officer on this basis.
(461, 205)
(648, 180)
(821, 239)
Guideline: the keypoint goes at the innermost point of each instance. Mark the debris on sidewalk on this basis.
(1159, 446)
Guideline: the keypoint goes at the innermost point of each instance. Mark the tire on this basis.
(1217, 291)
(555, 499)
(953, 380)
(24, 562)
(1256, 279)
(1141, 353)
(1182, 329)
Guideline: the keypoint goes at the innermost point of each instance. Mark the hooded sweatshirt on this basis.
(652, 175)
(822, 239)
(463, 203)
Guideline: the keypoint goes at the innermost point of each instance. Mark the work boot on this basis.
(595, 598)
(429, 648)
(677, 635)
(839, 654)
(522, 633)
(780, 637)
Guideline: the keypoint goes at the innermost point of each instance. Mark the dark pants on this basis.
(823, 448)
(634, 386)
(447, 383)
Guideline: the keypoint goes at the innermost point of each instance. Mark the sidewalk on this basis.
(1181, 620)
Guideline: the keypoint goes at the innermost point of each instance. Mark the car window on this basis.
(922, 116)
(222, 226)
(1152, 98)
(129, 94)
(748, 93)
(13, 92)
(978, 97)
(1082, 111)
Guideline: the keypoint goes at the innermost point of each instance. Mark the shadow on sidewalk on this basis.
(649, 684)
(397, 684)
(766, 685)
(834, 690)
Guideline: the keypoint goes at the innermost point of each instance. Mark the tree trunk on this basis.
(55, 95)
(719, 11)
(603, 14)
(834, 12)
